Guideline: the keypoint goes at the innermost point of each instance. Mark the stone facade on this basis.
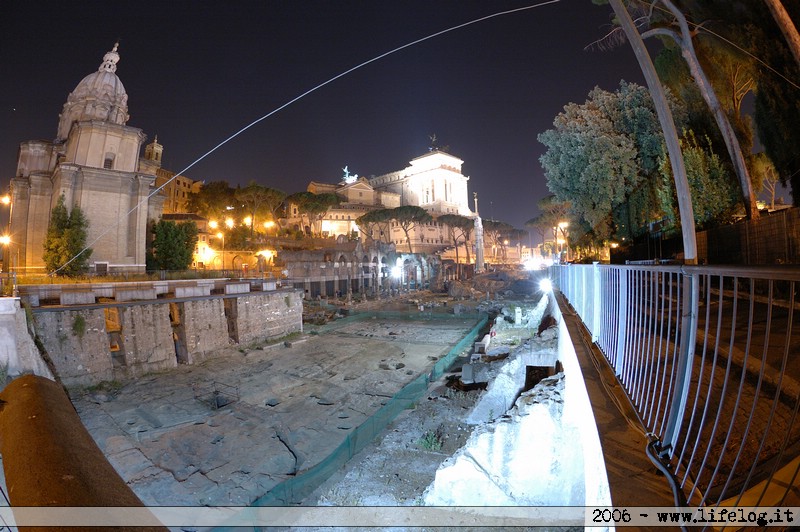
(94, 163)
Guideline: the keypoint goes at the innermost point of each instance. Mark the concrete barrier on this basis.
(193, 291)
(263, 286)
(483, 345)
(135, 294)
(237, 288)
(77, 297)
(49, 458)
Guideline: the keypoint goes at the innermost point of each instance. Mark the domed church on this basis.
(94, 162)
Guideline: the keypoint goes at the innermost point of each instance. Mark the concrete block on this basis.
(103, 289)
(483, 345)
(192, 291)
(77, 297)
(237, 288)
(31, 299)
(263, 286)
(136, 294)
(466, 374)
(161, 287)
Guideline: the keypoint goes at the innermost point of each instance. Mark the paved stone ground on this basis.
(296, 405)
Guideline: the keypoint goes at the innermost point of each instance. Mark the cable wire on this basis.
(295, 99)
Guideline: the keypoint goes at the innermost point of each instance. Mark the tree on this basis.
(766, 172)
(787, 27)
(64, 244)
(213, 200)
(408, 217)
(683, 38)
(601, 152)
(377, 220)
(459, 229)
(715, 196)
(173, 244)
(497, 233)
(552, 213)
(313, 207)
(257, 201)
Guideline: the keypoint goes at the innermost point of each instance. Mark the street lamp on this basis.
(222, 236)
(563, 226)
(5, 241)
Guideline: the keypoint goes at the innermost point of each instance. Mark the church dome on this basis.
(99, 96)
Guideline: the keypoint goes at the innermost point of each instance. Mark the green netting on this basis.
(295, 489)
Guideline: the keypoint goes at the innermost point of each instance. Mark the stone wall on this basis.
(79, 358)
(206, 328)
(269, 317)
(87, 349)
(18, 354)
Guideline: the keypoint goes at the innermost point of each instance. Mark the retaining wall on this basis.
(143, 337)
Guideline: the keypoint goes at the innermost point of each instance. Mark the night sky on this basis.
(196, 72)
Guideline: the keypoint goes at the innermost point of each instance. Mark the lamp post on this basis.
(563, 226)
(5, 240)
(222, 236)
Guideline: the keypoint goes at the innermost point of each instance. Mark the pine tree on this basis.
(173, 244)
(64, 252)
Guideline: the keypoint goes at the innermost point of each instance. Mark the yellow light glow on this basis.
(229, 223)
(219, 235)
(207, 254)
(266, 253)
(248, 221)
(213, 224)
(269, 224)
(5, 240)
(563, 225)
(6, 199)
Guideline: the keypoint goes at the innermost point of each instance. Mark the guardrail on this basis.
(710, 359)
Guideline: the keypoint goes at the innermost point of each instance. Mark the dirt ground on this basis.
(396, 468)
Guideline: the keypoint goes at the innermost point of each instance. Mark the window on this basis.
(108, 164)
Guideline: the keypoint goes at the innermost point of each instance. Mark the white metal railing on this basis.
(710, 359)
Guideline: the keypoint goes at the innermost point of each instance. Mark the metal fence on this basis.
(710, 359)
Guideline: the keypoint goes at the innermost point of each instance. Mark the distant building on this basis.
(94, 163)
(174, 188)
(432, 181)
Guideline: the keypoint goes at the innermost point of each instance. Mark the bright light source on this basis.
(247, 220)
(229, 223)
(397, 272)
(5, 200)
(546, 285)
(5, 240)
(213, 224)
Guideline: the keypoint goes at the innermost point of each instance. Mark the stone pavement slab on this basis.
(297, 402)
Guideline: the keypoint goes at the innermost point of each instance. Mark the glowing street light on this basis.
(222, 236)
(213, 224)
(229, 223)
(5, 241)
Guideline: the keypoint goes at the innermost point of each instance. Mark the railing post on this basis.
(691, 300)
(596, 303)
(622, 312)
